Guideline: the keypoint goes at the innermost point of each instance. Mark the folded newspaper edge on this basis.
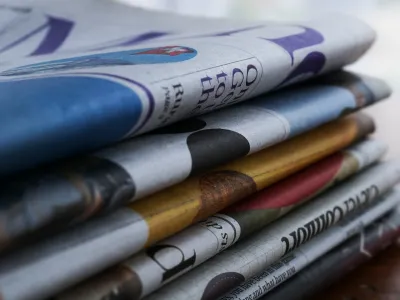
(336, 264)
(252, 255)
(298, 259)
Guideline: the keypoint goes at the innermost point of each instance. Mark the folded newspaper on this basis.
(166, 212)
(157, 265)
(288, 266)
(81, 80)
(88, 248)
(77, 189)
(337, 263)
(94, 85)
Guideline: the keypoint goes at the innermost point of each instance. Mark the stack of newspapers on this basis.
(147, 155)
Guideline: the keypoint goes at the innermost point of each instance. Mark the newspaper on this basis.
(208, 193)
(89, 248)
(147, 164)
(152, 268)
(28, 27)
(298, 259)
(251, 256)
(337, 263)
(145, 79)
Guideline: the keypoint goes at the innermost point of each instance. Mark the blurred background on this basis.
(381, 61)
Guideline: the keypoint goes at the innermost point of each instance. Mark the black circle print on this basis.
(208, 147)
(221, 284)
(212, 147)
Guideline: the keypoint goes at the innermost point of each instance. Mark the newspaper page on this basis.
(29, 27)
(90, 247)
(298, 259)
(139, 86)
(149, 270)
(337, 263)
(251, 256)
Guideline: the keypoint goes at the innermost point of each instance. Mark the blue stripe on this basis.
(308, 107)
(44, 119)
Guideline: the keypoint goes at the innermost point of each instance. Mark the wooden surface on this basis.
(379, 279)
